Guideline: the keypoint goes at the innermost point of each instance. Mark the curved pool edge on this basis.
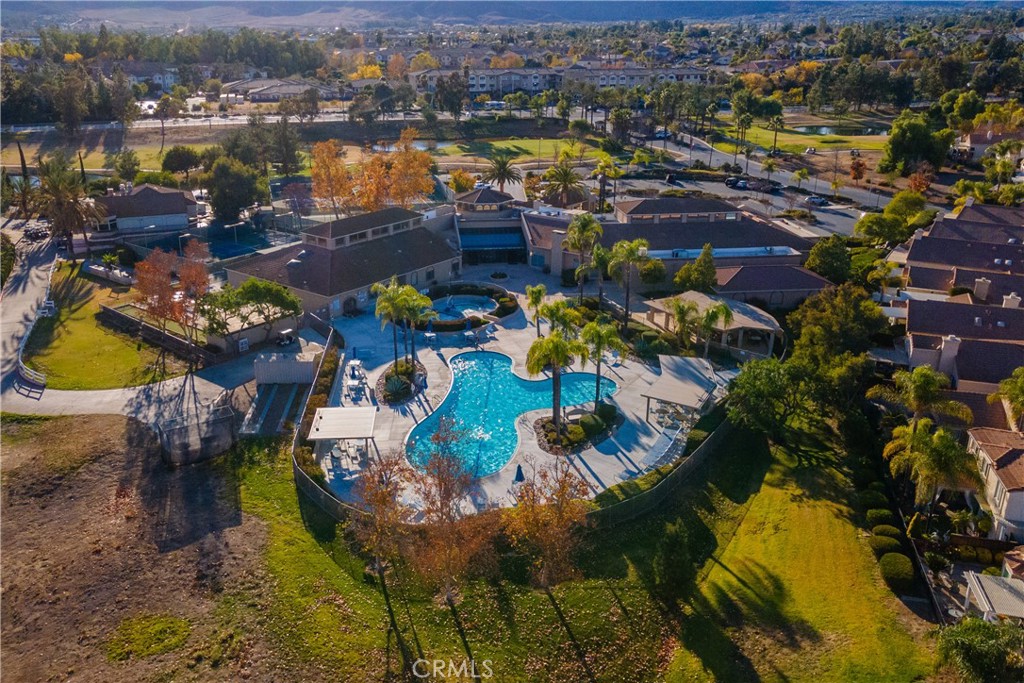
(519, 440)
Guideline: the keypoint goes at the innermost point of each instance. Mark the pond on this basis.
(424, 145)
(842, 130)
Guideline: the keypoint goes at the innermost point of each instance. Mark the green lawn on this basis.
(792, 593)
(796, 142)
(798, 589)
(94, 157)
(75, 351)
(540, 149)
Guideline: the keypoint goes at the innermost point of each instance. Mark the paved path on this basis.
(22, 297)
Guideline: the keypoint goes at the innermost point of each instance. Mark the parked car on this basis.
(854, 152)
(731, 181)
(661, 134)
(741, 185)
(815, 200)
(811, 150)
(285, 338)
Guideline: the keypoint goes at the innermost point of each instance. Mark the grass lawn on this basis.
(794, 141)
(94, 155)
(541, 149)
(780, 545)
(798, 589)
(76, 352)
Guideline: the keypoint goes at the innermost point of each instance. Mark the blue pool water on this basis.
(460, 306)
(485, 400)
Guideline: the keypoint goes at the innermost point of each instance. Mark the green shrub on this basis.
(984, 555)
(883, 544)
(8, 255)
(575, 436)
(607, 412)
(897, 571)
(880, 516)
(887, 530)
(992, 571)
(966, 553)
(872, 499)
(936, 563)
(592, 425)
(916, 526)
(863, 478)
(878, 487)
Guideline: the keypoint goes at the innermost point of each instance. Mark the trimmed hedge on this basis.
(592, 425)
(878, 487)
(887, 530)
(897, 571)
(879, 516)
(607, 412)
(872, 499)
(883, 545)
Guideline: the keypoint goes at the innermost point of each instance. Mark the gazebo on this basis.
(345, 423)
(689, 383)
(752, 329)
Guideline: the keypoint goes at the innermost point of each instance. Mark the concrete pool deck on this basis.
(610, 462)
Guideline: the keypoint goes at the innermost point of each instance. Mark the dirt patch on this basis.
(97, 530)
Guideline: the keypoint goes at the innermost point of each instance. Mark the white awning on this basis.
(997, 595)
(354, 422)
(688, 382)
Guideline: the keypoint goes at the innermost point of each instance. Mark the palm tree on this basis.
(534, 300)
(581, 236)
(24, 195)
(600, 257)
(711, 111)
(720, 312)
(563, 180)
(562, 317)
(417, 310)
(748, 152)
(390, 308)
(600, 338)
(557, 352)
(687, 319)
(1011, 390)
(769, 167)
(63, 198)
(919, 392)
(932, 461)
(625, 256)
(801, 175)
(500, 170)
(606, 170)
(776, 123)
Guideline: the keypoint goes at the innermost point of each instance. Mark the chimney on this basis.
(1011, 300)
(981, 286)
(947, 355)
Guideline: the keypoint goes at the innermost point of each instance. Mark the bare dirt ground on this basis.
(96, 530)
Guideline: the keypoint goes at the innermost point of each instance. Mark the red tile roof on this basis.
(1006, 451)
(774, 277)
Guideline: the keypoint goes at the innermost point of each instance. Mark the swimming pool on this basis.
(460, 306)
(485, 400)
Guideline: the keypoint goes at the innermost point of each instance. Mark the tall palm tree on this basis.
(600, 257)
(562, 317)
(748, 152)
(24, 195)
(390, 308)
(711, 111)
(534, 300)
(417, 310)
(557, 352)
(769, 167)
(600, 338)
(687, 319)
(500, 170)
(933, 461)
(801, 175)
(720, 312)
(606, 170)
(63, 198)
(776, 123)
(581, 236)
(563, 180)
(627, 255)
(919, 392)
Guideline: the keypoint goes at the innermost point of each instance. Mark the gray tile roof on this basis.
(361, 222)
(972, 255)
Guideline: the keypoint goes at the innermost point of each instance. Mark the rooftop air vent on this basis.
(295, 262)
(1001, 323)
(977, 322)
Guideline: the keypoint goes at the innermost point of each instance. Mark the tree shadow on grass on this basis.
(580, 653)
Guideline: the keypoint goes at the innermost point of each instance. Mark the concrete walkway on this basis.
(152, 403)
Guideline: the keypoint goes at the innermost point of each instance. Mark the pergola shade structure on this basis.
(996, 596)
(344, 423)
(689, 383)
(752, 331)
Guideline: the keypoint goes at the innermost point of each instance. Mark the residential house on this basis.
(1000, 455)
(335, 265)
(782, 286)
(972, 146)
